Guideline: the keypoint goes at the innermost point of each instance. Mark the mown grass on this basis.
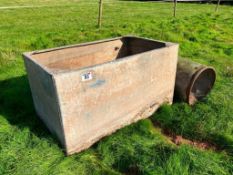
(26, 146)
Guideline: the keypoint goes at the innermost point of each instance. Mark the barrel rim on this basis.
(194, 78)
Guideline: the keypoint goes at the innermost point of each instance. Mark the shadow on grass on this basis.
(16, 105)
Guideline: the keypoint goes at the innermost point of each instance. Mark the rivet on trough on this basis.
(193, 81)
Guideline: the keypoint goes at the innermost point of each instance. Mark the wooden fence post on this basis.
(216, 8)
(100, 13)
(174, 12)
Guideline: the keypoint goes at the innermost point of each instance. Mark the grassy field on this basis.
(26, 146)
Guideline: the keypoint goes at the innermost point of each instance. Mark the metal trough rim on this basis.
(29, 54)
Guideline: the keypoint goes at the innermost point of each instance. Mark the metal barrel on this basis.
(193, 81)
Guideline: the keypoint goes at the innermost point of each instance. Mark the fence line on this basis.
(101, 6)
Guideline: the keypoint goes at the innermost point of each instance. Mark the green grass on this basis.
(26, 146)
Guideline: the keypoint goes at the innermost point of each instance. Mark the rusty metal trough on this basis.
(87, 91)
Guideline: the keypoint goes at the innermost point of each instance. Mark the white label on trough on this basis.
(87, 76)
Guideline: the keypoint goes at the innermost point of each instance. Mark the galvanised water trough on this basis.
(87, 91)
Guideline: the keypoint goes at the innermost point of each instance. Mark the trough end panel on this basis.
(44, 97)
(173, 55)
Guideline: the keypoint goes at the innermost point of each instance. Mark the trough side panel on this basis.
(97, 101)
(44, 98)
(101, 52)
